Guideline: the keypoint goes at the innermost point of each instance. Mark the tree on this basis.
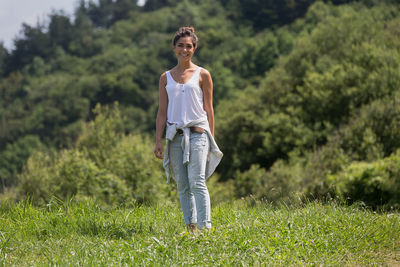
(34, 42)
(60, 30)
(14, 156)
(3, 58)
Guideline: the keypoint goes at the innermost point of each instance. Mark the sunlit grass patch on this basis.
(69, 233)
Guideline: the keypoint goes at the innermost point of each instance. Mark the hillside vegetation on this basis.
(306, 97)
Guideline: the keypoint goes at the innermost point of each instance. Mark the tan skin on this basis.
(181, 73)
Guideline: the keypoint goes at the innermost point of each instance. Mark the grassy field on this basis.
(257, 235)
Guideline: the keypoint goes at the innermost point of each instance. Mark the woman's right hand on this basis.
(158, 151)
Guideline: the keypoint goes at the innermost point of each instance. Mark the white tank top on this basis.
(185, 101)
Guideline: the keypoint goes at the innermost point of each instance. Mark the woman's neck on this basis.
(184, 65)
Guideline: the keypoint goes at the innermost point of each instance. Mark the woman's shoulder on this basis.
(205, 79)
(163, 77)
(204, 73)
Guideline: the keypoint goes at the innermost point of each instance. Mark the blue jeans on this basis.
(190, 178)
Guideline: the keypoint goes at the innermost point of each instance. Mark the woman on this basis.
(185, 107)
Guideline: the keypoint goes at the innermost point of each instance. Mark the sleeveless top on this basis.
(185, 101)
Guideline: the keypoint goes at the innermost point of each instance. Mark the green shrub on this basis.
(318, 165)
(69, 174)
(374, 131)
(106, 165)
(14, 156)
(220, 192)
(280, 183)
(371, 134)
(132, 159)
(375, 183)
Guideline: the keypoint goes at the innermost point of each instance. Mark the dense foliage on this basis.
(306, 95)
(334, 95)
(105, 164)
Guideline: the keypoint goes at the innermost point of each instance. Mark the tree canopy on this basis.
(294, 86)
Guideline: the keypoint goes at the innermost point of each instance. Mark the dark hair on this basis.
(185, 32)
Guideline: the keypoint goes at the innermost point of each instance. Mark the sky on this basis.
(15, 12)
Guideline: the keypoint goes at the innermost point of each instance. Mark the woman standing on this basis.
(185, 107)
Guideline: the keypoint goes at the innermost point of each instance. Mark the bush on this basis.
(14, 156)
(375, 183)
(70, 174)
(106, 165)
(374, 132)
(132, 159)
(280, 183)
(220, 192)
(371, 134)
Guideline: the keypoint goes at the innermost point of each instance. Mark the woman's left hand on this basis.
(158, 151)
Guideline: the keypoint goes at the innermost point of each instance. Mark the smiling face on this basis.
(184, 48)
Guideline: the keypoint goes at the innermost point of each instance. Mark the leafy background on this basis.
(306, 97)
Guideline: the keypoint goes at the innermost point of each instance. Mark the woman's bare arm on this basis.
(161, 115)
(207, 87)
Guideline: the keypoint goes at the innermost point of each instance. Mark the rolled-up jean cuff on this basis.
(189, 221)
(204, 226)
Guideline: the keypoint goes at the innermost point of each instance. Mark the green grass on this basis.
(85, 234)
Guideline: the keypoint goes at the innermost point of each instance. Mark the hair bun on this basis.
(187, 29)
(185, 32)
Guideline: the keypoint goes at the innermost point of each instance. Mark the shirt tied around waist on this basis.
(214, 154)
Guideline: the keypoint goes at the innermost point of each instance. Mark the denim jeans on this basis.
(190, 179)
